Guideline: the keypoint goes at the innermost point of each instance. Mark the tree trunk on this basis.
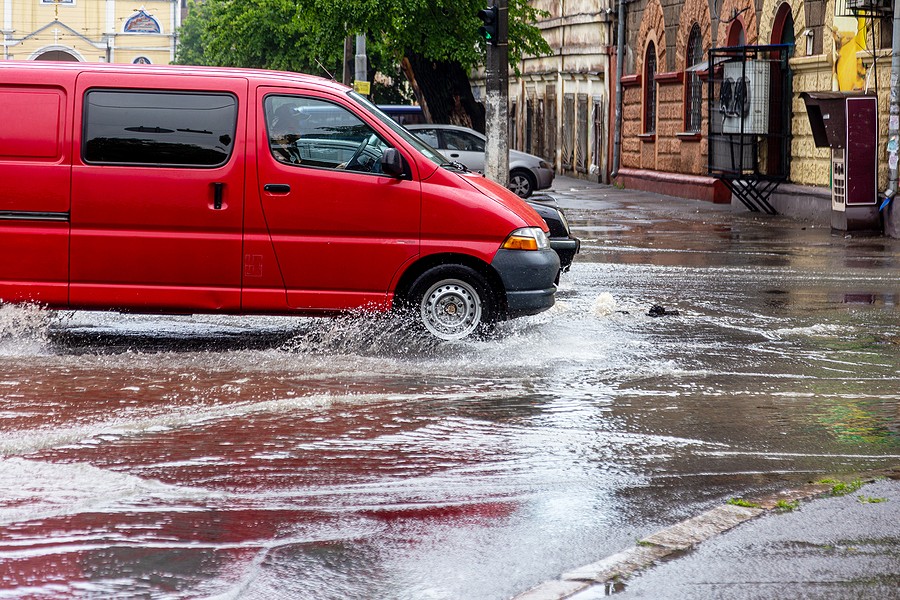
(443, 90)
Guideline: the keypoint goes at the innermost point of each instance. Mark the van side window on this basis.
(314, 133)
(159, 129)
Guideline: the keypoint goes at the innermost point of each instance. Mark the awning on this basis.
(704, 66)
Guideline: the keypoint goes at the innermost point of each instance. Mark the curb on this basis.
(669, 543)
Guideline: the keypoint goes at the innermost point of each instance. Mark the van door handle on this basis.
(217, 195)
(277, 188)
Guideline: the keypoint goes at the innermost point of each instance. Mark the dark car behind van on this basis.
(404, 114)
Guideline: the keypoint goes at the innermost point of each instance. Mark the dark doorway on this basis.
(782, 34)
(56, 55)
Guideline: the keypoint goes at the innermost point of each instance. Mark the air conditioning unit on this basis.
(744, 97)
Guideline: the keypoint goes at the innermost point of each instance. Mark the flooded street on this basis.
(226, 457)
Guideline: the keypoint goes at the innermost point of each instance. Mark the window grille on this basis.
(529, 125)
(512, 129)
(582, 137)
(568, 145)
(694, 87)
(541, 131)
(650, 89)
(552, 112)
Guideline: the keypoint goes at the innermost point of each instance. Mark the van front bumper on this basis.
(529, 278)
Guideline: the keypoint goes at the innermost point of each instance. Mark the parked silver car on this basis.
(527, 173)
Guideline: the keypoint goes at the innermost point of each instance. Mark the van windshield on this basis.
(429, 152)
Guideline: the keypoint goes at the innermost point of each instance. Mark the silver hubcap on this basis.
(451, 309)
(518, 184)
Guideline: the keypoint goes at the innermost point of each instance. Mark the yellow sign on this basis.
(361, 87)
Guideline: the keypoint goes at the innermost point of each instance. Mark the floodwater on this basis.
(225, 457)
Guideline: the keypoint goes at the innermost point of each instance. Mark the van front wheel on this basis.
(453, 302)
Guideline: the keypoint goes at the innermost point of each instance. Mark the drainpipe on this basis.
(620, 60)
(891, 213)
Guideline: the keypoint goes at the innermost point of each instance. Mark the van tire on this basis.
(453, 302)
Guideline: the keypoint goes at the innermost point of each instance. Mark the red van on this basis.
(192, 190)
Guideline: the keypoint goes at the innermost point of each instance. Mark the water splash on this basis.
(605, 305)
(40, 490)
(23, 328)
(369, 333)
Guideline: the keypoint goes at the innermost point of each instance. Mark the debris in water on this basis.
(658, 311)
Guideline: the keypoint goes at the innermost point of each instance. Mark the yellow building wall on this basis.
(88, 30)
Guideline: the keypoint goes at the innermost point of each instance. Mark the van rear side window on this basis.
(158, 129)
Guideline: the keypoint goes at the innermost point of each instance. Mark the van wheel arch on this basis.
(403, 300)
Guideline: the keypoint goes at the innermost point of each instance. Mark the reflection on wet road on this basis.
(184, 457)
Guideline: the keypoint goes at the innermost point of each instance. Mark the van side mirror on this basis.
(392, 164)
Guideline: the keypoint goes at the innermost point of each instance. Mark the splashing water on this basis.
(21, 324)
(605, 305)
(366, 333)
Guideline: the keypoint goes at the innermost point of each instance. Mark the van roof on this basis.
(269, 76)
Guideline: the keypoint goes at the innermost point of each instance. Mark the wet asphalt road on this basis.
(185, 457)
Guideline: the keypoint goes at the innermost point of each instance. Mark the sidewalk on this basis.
(835, 540)
(825, 540)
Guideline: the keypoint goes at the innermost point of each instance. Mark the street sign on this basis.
(362, 87)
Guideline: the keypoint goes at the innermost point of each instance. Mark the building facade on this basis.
(666, 84)
(90, 30)
(559, 105)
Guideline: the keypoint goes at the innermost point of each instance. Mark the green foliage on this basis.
(271, 34)
(871, 500)
(742, 502)
(842, 489)
(298, 35)
(787, 505)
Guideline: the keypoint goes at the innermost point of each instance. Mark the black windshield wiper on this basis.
(454, 164)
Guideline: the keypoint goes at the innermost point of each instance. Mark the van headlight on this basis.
(527, 238)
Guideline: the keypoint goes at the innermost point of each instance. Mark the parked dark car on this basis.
(561, 239)
(405, 114)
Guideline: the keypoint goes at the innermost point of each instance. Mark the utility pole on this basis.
(495, 32)
(361, 82)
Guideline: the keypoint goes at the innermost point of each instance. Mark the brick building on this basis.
(666, 86)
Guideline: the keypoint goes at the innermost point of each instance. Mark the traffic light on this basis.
(490, 30)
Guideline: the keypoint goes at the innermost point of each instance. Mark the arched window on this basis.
(736, 36)
(693, 87)
(141, 22)
(650, 89)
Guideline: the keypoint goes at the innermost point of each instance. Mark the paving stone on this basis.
(686, 534)
(553, 590)
(620, 565)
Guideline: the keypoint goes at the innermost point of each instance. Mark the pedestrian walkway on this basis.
(826, 540)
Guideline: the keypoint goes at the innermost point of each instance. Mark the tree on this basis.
(435, 42)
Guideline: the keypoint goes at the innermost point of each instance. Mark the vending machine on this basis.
(848, 124)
